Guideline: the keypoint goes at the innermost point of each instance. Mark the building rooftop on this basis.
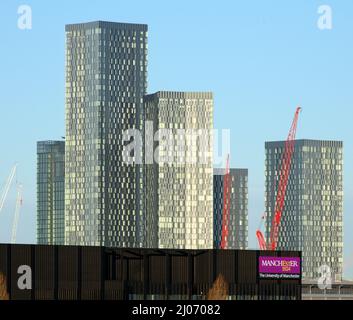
(311, 142)
(181, 95)
(105, 24)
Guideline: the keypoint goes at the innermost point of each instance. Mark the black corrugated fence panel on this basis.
(157, 268)
(68, 276)
(246, 266)
(202, 267)
(114, 290)
(179, 288)
(136, 269)
(225, 265)
(44, 272)
(179, 273)
(91, 266)
(91, 292)
(74, 273)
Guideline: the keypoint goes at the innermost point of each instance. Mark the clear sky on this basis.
(260, 58)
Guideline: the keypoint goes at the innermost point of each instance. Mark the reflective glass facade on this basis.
(50, 192)
(312, 219)
(179, 191)
(106, 71)
(238, 212)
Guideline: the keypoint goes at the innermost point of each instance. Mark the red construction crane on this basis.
(260, 237)
(226, 206)
(282, 187)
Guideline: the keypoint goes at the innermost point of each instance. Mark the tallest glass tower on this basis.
(106, 72)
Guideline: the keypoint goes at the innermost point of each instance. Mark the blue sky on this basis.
(260, 58)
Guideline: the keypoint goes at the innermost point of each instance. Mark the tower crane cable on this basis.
(19, 202)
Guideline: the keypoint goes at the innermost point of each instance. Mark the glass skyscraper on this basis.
(106, 72)
(50, 192)
(179, 188)
(312, 220)
(238, 210)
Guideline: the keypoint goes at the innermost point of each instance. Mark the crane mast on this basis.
(283, 182)
(17, 213)
(226, 207)
(261, 240)
(7, 186)
(282, 187)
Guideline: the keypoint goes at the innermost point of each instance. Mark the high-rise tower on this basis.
(238, 210)
(106, 71)
(50, 192)
(312, 219)
(179, 183)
